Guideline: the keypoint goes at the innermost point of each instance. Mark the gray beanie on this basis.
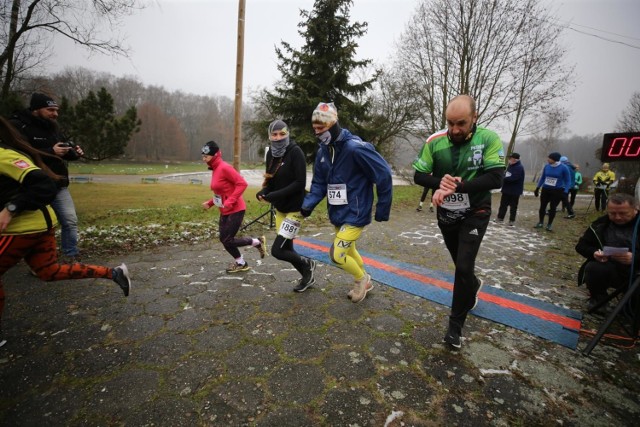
(277, 125)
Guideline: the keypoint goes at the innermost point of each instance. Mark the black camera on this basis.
(71, 154)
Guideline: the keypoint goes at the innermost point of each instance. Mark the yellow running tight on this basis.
(343, 252)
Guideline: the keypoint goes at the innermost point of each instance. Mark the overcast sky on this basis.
(190, 45)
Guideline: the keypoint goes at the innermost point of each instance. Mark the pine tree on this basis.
(321, 71)
(93, 125)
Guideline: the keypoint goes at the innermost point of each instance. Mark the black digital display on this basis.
(618, 147)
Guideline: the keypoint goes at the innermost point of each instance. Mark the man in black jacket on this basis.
(608, 246)
(38, 124)
(512, 189)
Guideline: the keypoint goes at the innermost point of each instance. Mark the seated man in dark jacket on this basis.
(606, 267)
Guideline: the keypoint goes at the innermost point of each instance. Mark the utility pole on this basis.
(237, 117)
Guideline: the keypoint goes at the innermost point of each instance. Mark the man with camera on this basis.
(38, 124)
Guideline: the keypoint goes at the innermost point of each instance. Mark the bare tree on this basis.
(547, 137)
(629, 120)
(504, 53)
(200, 118)
(160, 136)
(394, 113)
(539, 78)
(28, 27)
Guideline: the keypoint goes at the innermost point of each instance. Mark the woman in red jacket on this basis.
(228, 185)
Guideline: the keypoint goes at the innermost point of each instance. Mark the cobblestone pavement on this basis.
(194, 346)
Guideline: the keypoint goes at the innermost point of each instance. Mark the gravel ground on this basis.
(195, 346)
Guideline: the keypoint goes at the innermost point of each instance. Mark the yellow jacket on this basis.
(14, 166)
(603, 179)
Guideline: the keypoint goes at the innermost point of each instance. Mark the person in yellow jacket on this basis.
(27, 221)
(602, 181)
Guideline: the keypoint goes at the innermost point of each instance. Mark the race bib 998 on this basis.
(456, 202)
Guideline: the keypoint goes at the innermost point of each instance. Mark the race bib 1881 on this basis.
(289, 228)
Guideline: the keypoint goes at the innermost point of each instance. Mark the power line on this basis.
(604, 38)
(571, 26)
(603, 31)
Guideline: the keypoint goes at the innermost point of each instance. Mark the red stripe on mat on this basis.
(503, 302)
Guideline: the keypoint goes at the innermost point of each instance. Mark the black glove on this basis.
(260, 193)
(537, 192)
(305, 212)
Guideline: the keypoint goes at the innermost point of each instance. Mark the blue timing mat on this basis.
(536, 317)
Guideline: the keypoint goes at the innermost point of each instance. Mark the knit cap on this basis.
(325, 114)
(40, 100)
(210, 148)
(277, 125)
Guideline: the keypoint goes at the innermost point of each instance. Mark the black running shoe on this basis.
(120, 275)
(477, 292)
(303, 286)
(308, 278)
(453, 336)
(308, 275)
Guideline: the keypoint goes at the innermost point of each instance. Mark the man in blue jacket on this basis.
(512, 188)
(345, 170)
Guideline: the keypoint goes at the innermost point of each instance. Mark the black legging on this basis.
(552, 197)
(228, 226)
(572, 197)
(601, 195)
(508, 201)
(463, 241)
(566, 204)
(425, 192)
(282, 249)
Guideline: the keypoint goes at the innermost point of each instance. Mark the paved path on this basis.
(194, 346)
(254, 178)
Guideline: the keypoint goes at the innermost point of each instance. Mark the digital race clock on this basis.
(618, 147)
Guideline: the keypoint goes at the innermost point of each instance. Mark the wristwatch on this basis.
(12, 208)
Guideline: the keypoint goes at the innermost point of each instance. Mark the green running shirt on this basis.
(439, 156)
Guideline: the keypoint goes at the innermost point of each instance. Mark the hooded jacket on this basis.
(286, 189)
(227, 183)
(350, 161)
(513, 181)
